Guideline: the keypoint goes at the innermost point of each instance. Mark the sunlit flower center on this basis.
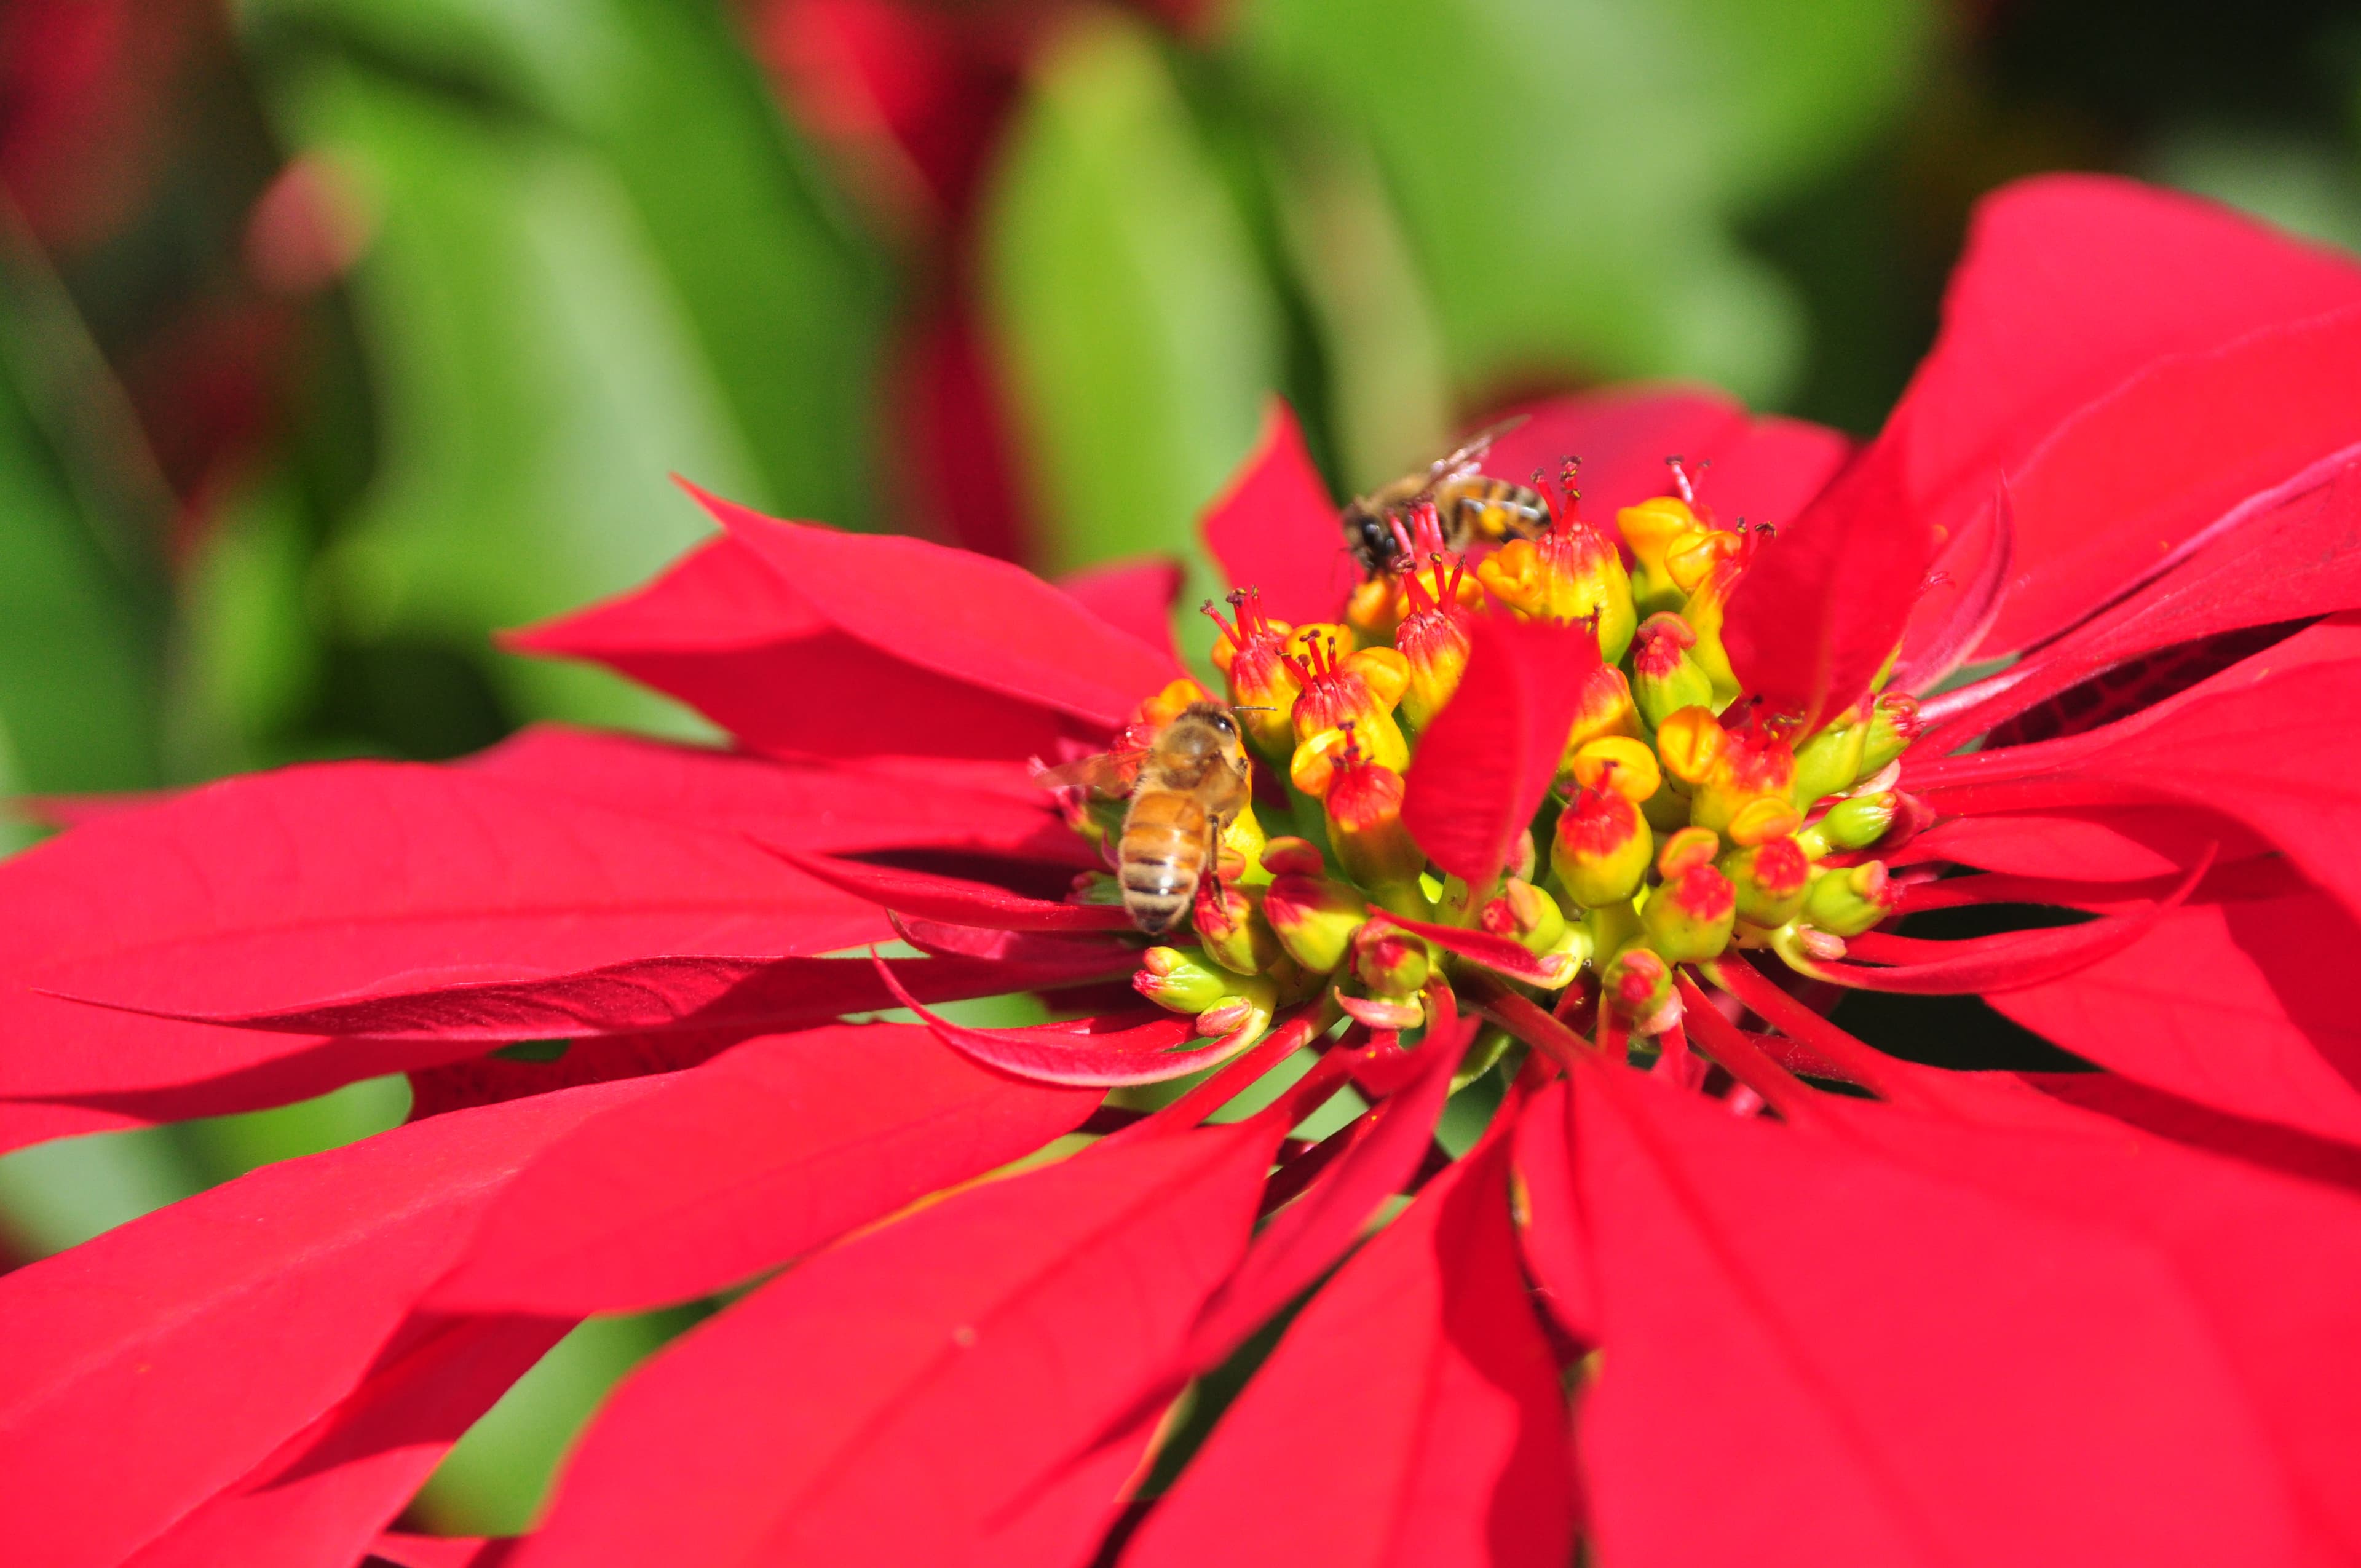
(1685, 821)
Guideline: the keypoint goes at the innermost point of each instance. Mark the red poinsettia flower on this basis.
(1582, 812)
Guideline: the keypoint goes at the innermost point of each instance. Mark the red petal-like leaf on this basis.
(965, 616)
(1823, 604)
(1275, 529)
(767, 1151)
(1549, 1228)
(2273, 1145)
(659, 995)
(2118, 843)
(406, 1551)
(1411, 1415)
(1993, 965)
(2267, 742)
(1135, 596)
(1312, 1232)
(328, 1494)
(2242, 1005)
(1755, 470)
(955, 900)
(1484, 763)
(2290, 553)
(820, 808)
(1928, 1342)
(307, 886)
(1138, 1047)
(159, 1363)
(2071, 284)
(2189, 443)
(725, 634)
(892, 1400)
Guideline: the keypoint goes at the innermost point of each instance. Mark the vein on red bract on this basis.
(154, 1366)
(1455, 1454)
(955, 901)
(1824, 602)
(325, 1496)
(769, 1150)
(1135, 596)
(1758, 470)
(1550, 1231)
(2063, 1346)
(964, 615)
(1484, 763)
(897, 1400)
(651, 997)
(2115, 844)
(1275, 529)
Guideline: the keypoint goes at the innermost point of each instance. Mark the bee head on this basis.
(1370, 539)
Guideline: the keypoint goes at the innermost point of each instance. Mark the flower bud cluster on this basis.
(1683, 821)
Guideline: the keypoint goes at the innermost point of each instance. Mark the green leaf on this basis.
(79, 613)
(1568, 173)
(1127, 300)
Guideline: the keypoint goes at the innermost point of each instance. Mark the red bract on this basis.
(2089, 1317)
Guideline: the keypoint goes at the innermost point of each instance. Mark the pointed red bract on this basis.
(1105, 1051)
(153, 1368)
(771, 1149)
(964, 616)
(1276, 531)
(302, 887)
(1411, 1415)
(407, 1551)
(325, 1496)
(1823, 604)
(1501, 954)
(891, 1401)
(2061, 1346)
(1484, 763)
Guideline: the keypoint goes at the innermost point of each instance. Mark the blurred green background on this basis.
(336, 334)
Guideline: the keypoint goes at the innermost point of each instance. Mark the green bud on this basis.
(1691, 916)
(1847, 901)
(1665, 676)
(1769, 880)
(1854, 823)
(1229, 923)
(1830, 760)
(1894, 723)
(1601, 849)
(1183, 981)
(1315, 918)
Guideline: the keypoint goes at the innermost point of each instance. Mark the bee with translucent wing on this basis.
(1471, 508)
(1184, 788)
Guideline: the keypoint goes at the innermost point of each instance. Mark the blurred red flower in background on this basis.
(1973, 1316)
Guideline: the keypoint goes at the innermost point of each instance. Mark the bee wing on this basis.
(1108, 774)
(1469, 454)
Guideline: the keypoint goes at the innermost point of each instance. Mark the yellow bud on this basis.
(1690, 742)
(1620, 763)
(1764, 818)
(1386, 670)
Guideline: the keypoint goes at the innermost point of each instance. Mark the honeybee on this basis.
(1472, 508)
(1184, 788)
